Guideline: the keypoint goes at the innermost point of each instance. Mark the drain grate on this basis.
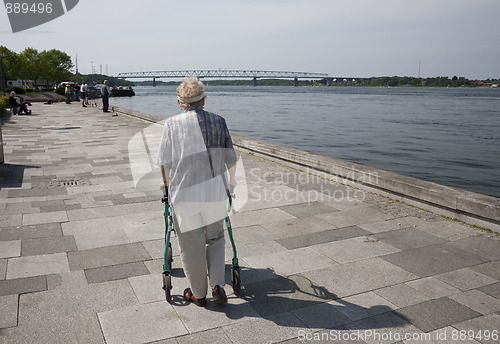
(61, 183)
(70, 182)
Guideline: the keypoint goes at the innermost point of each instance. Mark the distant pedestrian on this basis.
(195, 152)
(84, 89)
(68, 92)
(105, 96)
(76, 91)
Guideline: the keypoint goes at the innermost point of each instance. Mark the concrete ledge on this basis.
(457, 203)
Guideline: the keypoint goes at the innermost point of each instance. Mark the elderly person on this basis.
(105, 96)
(15, 103)
(195, 152)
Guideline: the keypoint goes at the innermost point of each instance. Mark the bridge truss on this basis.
(223, 73)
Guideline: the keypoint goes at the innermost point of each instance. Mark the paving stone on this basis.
(10, 249)
(478, 301)
(50, 206)
(114, 255)
(40, 246)
(409, 238)
(272, 329)
(308, 209)
(37, 265)
(147, 287)
(75, 308)
(363, 306)
(283, 294)
(145, 226)
(491, 269)
(358, 277)
(3, 268)
(82, 226)
(257, 249)
(56, 216)
(466, 279)
(449, 230)
(435, 314)
(215, 336)
(322, 237)
(100, 237)
(356, 216)
(402, 295)
(197, 319)
(23, 285)
(321, 316)
(350, 250)
(482, 326)
(69, 280)
(8, 311)
(141, 323)
(432, 260)
(15, 193)
(480, 245)
(115, 272)
(289, 262)
(251, 235)
(432, 287)
(376, 329)
(296, 226)
(492, 290)
(20, 208)
(65, 329)
(11, 220)
(252, 218)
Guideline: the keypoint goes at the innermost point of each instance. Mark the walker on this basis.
(168, 257)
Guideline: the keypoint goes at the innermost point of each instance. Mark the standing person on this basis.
(84, 93)
(105, 96)
(68, 92)
(195, 152)
(76, 90)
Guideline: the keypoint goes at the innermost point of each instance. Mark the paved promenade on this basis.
(81, 250)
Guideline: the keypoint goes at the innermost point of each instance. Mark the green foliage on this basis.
(18, 90)
(91, 79)
(399, 81)
(52, 65)
(4, 101)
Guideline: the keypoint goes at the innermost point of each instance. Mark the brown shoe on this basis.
(219, 295)
(188, 296)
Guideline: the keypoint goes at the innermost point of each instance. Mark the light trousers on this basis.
(202, 253)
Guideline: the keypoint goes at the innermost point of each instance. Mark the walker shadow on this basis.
(307, 301)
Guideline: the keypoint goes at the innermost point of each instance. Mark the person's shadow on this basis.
(309, 302)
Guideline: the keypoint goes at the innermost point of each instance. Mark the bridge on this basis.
(225, 73)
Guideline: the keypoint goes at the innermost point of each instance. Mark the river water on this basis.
(449, 136)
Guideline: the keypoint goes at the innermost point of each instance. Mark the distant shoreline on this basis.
(389, 82)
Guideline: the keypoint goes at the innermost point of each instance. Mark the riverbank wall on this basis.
(469, 207)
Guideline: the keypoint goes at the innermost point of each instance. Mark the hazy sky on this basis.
(352, 38)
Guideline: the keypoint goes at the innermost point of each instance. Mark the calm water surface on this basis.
(449, 136)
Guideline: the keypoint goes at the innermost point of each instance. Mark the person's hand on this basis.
(232, 188)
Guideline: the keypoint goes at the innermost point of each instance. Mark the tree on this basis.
(10, 63)
(30, 64)
(55, 65)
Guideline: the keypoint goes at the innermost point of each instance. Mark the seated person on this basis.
(15, 102)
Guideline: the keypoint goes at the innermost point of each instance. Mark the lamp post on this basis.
(3, 75)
